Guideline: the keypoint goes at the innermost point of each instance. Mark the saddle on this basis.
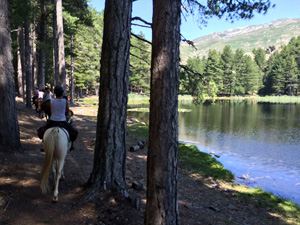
(73, 133)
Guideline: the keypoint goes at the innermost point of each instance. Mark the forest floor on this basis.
(202, 200)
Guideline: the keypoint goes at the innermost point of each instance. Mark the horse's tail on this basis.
(49, 146)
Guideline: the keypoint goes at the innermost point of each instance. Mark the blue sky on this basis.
(189, 28)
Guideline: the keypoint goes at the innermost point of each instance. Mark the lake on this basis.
(258, 142)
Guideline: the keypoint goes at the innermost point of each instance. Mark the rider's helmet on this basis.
(58, 91)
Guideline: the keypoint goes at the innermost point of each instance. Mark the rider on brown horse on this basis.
(59, 109)
(47, 96)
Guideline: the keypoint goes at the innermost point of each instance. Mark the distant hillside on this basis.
(277, 33)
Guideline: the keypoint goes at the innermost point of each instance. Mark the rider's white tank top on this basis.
(40, 94)
(58, 109)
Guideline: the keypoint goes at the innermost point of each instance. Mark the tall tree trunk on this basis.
(55, 51)
(110, 150)
(23, 66)
(72, 71)
(61, 46)
(33, 62)
(28, 64)
(42, 50)
(162, 202)
(9, 132)
(19, 73)
(20, 61)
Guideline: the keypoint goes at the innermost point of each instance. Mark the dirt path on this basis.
(201, 200)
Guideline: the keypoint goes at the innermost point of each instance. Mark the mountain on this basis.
(275, 33)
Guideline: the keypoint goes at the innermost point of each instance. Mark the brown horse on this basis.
(47, 109)
(38, 107)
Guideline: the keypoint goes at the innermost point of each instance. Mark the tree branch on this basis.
(189, 42)
(143, 50)
(139, 25)
(140, 19)
(142, 39)
(192, 73)
(140, 58)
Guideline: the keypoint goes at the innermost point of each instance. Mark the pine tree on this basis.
(189, 81)
(213, 71)
(226, 63)
(140, 57)
(239, 68)
(251, 75)
(260, 58)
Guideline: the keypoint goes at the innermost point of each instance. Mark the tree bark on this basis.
(162, 202)
(9, 132)
(72, 71)
(61, 46)
(33, 61)
(21, 63)
(110, 150)
(42, 50)
(22, 58)
(28, 65)
(55, 51)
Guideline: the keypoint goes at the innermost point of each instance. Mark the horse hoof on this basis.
(54, 199)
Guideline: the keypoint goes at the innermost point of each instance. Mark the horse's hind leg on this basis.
(41, 113)
(62, 175)
(59, 168)
(54, 168)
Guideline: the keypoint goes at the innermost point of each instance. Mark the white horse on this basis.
(56, 145)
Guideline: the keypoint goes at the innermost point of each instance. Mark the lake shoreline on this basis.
(251, 180)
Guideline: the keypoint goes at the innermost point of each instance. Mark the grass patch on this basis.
(135, 99)
(138, 110)
(138, 130)
(199, 162)
(261, 199)
(185, 98)
(88, 101)
(262, 99)
(278, 99)
(147, 110)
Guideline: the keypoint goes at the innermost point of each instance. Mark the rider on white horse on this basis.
(56, 145)
(59, 109)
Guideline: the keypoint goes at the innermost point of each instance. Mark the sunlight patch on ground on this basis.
(29, 123)
(8, 180)
(142, 157)
(129, 158)
(85, 111)
(28, 182)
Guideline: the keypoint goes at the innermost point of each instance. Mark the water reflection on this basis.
(259, 142)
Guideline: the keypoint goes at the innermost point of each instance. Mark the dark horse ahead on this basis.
(47, 109)
(38, 106)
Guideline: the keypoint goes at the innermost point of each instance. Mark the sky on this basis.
(189, 28)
